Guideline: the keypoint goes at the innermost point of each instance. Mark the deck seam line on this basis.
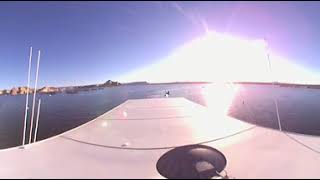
(159, 148)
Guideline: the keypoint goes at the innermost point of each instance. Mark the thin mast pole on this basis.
(27, 100)
(273, 86)
(37, 122)
(34, 97)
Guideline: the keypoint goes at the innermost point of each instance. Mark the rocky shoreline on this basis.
(54, 90)
(75, 89)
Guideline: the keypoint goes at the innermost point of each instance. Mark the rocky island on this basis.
(16, 91)
(54, 90)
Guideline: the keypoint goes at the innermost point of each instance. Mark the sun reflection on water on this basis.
(213, 121)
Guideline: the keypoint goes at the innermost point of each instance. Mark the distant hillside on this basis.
(55, 90)
(136, 83)
(181, 82)
(310, 86)
(109, 83)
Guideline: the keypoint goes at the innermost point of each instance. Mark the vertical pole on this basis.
(27, 101)
(37, 122)
(273, 94)
(34, 97)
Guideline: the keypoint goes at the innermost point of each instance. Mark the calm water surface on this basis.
(299, 108)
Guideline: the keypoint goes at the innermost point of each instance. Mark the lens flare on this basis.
(220, 57)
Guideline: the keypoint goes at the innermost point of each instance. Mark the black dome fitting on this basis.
(191, 162)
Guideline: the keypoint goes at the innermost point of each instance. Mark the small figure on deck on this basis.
(167, 93)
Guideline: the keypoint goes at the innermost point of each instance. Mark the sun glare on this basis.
(218, 57)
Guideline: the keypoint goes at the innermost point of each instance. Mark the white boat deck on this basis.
(127, 142)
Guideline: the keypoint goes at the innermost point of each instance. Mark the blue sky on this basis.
(91, 42)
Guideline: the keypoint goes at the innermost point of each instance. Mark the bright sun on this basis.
(218, 57)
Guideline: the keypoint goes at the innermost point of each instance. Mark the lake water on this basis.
(299, 108)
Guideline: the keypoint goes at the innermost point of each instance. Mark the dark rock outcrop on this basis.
(14, 91)
(111, 83)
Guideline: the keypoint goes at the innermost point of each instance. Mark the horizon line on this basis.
(170, 82)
